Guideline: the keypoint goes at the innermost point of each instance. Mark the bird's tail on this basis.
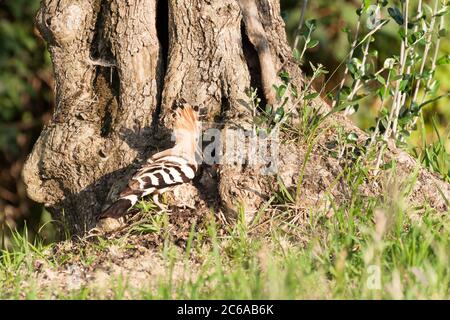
(118, 209)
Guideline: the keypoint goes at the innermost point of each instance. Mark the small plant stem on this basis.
(392, 113)
(383, 100)
(310, 141)
(434, 59)
(433, 64)
(350, 55)
(408, 70)
(398, 96)
(367, 37)
(300, 23)
(295, 103)
(426, 50)
(358, 81)
(347, 58)
(361, 84)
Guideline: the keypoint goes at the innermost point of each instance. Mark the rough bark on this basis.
(103, 116)
(121, 67)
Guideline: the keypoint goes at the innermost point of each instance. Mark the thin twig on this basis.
(349, 57)
(300, 23)
(427, 50)
(395, 109)
(398, 98)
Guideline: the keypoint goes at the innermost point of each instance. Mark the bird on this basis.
(164, 170)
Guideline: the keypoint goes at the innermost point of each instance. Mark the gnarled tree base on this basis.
(120, 69)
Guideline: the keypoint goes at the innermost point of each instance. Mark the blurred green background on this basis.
(26, 85)
(26, 101)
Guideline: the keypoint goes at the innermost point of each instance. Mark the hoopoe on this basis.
(165, 169)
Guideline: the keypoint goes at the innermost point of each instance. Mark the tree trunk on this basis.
(121, 67)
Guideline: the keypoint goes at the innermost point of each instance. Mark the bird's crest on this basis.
(186, 119)
(186, 129)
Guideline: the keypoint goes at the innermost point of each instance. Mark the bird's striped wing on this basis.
(154, 177)
(162, 173)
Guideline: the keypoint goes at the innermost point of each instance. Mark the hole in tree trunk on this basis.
(162, 32)
(100, 48)
(106, 83)
(252, 60)
(224, 107)
(162, 28)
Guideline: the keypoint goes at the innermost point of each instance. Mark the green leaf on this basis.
(389, 63)
(354, 102)
(284, 190)
(443, 60)
(387, 165)
(381, 80)
(404, 85)
(434, 86)
(401, 33)
(352, 137)
(311, 24)
(414, 107)
(284, 75)
(381, 92)
(396, 14)
(443, 11)
(374, 53)
(312, 44)
(281, 90)
(349, 34)
(345, 90)
(279, 114)
(354, 66)
(296, 54)
(311, 96)
(351, 109)
(416, 37)
(294, 91)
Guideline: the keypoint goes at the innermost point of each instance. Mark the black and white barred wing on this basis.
(161, 174)
(156, 177)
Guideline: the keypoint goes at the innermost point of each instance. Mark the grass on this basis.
(364, 248)
(378, 246)
(434, 155)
